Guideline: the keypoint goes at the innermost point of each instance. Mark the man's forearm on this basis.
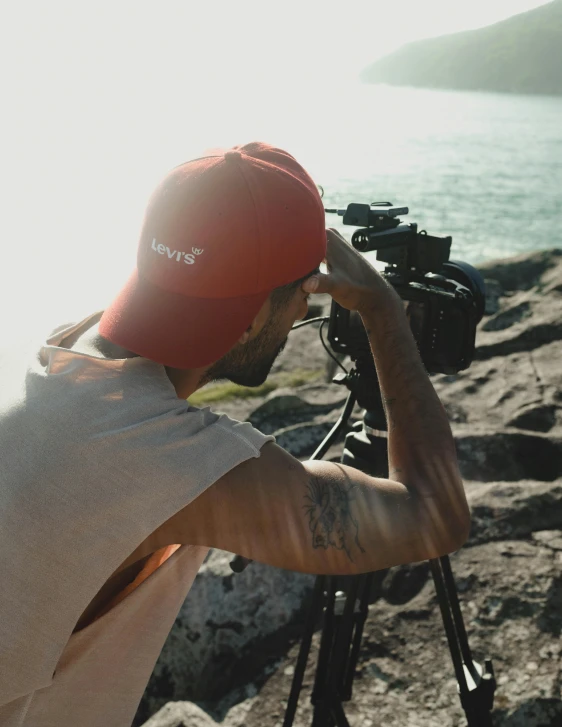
(421, 448)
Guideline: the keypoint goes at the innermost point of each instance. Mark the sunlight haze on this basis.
(100, 99)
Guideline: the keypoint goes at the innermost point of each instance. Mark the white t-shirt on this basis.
(95, 454)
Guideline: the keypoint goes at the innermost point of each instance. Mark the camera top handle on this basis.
(409, 252)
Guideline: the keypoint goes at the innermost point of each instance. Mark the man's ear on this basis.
(257, 324)
(250, 331)
(245, 337)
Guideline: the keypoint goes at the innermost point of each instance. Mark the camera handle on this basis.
(345, 611)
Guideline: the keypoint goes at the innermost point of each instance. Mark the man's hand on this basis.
(351, 280)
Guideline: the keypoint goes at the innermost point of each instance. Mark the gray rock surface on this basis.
(511, 594)
(222, 623)
(284, 408)
(506, 414)
(180, 714)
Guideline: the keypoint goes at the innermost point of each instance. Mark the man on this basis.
(113, 487)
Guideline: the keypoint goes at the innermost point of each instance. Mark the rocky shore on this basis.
(230, 656)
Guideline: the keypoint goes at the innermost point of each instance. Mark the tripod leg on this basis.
(334, 655)
(339, 651)
(476, 685)
(343, 637)
(326, 645)
(338, 714)
(320, 697)
(360, 619)
(304, 650)
(448, 623)
(453, 598)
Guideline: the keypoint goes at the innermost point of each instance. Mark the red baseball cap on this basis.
(220, 233)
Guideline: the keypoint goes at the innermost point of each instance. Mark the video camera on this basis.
(444, 298)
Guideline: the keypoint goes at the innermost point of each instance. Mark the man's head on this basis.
(225, 238)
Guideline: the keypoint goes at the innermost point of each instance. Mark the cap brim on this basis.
(173, 329)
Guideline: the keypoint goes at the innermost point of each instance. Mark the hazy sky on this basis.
(100, 75)
(99, 98)
(166, 42)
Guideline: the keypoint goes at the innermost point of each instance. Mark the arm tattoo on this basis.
(330, 519)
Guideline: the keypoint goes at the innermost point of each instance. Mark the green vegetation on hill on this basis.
(522, 54)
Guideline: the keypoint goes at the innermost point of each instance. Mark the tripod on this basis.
(345, 611)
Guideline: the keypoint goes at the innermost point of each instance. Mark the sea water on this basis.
(484, 168)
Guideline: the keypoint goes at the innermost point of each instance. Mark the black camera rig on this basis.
(444, 301)
(444, 298)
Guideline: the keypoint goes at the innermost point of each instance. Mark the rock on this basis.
(284, 407)
(510, 596)
(302, 439)
(181, 714)
(546, 328)
(535, 417)
(402, 584)
(508, 317)
(281, 401)
(317, 308)
(494, 291)
(188, 714)
(505, 511)
(509, 455)
(525, 271)
(213, 644)
(300, 422)
(529, 311)
(303, 349)
(550, 538)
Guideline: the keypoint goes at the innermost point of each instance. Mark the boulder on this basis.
(509, 511)
(284, 407)
(218, 638)
(181, 714)
(302, 439)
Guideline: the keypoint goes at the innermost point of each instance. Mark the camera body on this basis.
(444, 299)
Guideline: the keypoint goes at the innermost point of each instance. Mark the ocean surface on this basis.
(484, 168)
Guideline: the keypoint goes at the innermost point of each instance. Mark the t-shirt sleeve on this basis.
(188, 450)
(245, 432)
(219, 443)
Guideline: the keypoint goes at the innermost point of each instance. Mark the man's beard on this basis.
(249, 364)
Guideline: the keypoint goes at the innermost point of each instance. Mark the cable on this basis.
(323, 320)
(309, 321)
(328, 350)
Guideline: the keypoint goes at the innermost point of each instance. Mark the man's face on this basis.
(249, 364)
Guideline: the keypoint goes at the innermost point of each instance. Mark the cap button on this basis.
(232, 155)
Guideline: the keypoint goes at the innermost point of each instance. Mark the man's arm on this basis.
(322, 517)
(314, 517)
(421, 448)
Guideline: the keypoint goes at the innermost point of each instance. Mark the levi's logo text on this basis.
(177, 255)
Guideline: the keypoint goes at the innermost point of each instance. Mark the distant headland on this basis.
(522, 54)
